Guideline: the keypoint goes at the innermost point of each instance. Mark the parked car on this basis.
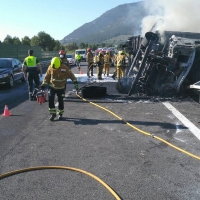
(71, 59)
(10, 71)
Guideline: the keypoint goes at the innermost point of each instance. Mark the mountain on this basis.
(114, 25)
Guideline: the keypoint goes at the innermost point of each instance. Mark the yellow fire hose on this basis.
(87, 173)
(139, 130)
(65, 168)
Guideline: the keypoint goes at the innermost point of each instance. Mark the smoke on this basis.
(172, 15)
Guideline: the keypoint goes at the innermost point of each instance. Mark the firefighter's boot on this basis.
(60, 117)
(31, 96)
(52, 117)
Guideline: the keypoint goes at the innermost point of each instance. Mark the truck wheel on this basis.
(11, 82)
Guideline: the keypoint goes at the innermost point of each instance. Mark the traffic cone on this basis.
(81, 72)
(6, 111)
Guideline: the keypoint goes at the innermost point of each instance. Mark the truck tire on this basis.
(94, 92)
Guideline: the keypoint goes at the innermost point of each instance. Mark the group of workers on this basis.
(59, 71)
(103, 63)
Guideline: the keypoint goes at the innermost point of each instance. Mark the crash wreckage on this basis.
(163, 65)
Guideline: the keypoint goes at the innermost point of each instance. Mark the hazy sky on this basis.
(56, 18)
(175, 15)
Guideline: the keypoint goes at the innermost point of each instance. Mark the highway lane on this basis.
(135, 165)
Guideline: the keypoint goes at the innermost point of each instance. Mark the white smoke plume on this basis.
(174, 15)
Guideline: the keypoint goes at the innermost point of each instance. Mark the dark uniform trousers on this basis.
(90, 68)
(33, 76)
(61, 94)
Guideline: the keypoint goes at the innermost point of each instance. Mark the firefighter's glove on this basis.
(76, 85)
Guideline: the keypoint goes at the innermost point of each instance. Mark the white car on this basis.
(71, 59)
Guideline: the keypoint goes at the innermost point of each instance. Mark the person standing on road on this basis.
(32, 68)
(55, 77)
(62, 55)
(78, 58)
(90, 60)
(107, 62)
(115, 65)
(120, 65)
(100, 62)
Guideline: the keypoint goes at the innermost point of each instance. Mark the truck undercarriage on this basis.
(163, 67)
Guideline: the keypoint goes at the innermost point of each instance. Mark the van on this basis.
(82, 52)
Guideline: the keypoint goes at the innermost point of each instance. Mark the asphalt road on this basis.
(91, 137)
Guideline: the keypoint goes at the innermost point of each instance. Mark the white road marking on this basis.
(183, 119)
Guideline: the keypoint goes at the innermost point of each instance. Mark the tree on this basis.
(71, 47)
(8, 40)
(57, 45)
(82, 45)
(16, 40)
(26, 40)
(46, 41)
(34, 41)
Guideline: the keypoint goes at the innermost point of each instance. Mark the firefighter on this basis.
(115, 64)
(100, 63)
(107, 62)
(32, 68)
(62, 55)
(55, 77)
(120, 61)
(78, 60)
(90, 60)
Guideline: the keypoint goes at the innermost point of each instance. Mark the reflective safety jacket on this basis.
(120, 60)
(31, 63)
(56, 78)
(89, 57)
(100, 59)
(78, 57)
(107, 59)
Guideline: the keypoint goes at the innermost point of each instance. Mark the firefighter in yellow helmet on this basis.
(107, 62)
(55, 77)
(100, 59)
(120, 63)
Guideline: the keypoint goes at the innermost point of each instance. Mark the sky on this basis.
(57, 18)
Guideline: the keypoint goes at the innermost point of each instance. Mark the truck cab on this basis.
(82, 52)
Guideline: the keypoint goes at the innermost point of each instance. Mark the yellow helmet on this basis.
(55, 62)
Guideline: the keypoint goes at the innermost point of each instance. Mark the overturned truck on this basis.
(164, 65)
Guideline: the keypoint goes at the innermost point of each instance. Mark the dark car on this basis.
(10, 71)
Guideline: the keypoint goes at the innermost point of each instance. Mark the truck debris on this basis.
(163, 65)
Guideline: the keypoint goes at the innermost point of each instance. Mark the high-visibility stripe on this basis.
(52, 110)
(58, 80)
(60, 111)
(56, 87)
